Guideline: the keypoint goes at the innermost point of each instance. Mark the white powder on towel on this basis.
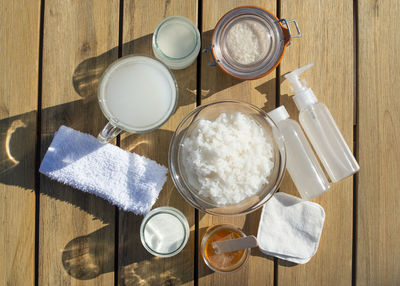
(247, 42)
(229, 159)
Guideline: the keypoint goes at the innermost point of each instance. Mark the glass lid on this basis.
(248, 42)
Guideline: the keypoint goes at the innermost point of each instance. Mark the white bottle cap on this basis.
(304, 98)
(278, 114)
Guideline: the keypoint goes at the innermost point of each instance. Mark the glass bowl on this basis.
(211, 112)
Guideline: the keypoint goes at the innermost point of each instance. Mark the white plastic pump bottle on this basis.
(322, 130)
(302, 165)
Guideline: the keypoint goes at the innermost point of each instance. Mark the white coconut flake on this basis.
(227, 160)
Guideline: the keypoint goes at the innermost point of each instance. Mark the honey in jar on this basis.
(224, 262)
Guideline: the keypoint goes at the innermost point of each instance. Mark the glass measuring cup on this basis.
(137, 94)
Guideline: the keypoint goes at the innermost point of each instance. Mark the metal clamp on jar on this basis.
(249, 42)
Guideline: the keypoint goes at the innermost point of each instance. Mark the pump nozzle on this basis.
(293, 78)
(303, 96)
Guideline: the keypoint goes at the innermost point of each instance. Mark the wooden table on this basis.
(51, 56)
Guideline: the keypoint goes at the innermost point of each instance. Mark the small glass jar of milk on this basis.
(164, 231)
(176, 42)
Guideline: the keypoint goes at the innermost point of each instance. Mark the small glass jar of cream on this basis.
(164, 231)
(249, 42)
(176, 42)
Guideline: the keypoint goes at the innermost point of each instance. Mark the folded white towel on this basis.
(290, 228)
(127, 180)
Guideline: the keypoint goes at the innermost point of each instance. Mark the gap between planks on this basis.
(355, 140)
(198, 103)
(38, 143)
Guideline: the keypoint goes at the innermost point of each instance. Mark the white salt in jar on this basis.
(176, 42)
(249, 42)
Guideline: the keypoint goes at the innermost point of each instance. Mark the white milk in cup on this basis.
(137, 94)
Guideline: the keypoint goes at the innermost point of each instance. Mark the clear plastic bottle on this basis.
(302, 164)
(322, 130)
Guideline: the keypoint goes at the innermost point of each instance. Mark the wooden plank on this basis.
(378, 205)
(216, 85)
(136, 266)
(76, 235)
(19, 31)
(328, 42)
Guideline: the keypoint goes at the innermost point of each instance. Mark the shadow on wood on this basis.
(17, 143)
(86, 257)
(210, 69)
(88, 73)
(16, 154)
(81, 261)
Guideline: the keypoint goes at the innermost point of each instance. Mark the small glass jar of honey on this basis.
(224, 262)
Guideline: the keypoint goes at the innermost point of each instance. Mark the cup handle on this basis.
(109, 132)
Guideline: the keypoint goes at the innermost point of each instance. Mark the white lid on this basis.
(279, 114)
(304, 98)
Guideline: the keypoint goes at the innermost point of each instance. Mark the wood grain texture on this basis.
(136, 266)
(76, 230)
(19, 31)
(327, 40)
(216, 85)
(378, 206)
